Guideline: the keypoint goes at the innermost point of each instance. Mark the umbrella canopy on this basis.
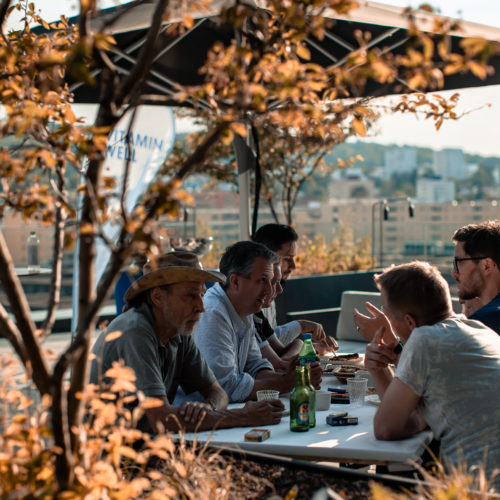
(180, 57)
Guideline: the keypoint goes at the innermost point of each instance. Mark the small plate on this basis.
(342, 375)
(373, 399)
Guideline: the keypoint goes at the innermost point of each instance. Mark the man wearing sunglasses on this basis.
(476, 268)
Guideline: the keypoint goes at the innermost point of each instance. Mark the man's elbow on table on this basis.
(384, 431)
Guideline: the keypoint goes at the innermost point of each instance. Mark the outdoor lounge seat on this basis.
(351, 299)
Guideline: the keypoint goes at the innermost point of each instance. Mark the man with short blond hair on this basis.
(447, 372)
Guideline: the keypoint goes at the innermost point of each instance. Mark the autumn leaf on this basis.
(477, 69)
(188, 21)
(239, 128)
(113, 336)
(359, 127)
(152, 403)
(303, 52)
(181, 469)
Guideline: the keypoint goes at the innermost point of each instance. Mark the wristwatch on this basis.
(399, 347)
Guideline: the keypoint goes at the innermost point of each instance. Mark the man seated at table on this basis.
(271, 348)
(476, 268)
(447, 373)
(282, 239)
(225, 334)
(162, 309)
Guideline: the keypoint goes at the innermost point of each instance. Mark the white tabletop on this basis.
(351, 443)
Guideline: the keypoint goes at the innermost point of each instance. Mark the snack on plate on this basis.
(346, 357)
(345, 372)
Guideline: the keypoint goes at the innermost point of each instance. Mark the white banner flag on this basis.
(149, 141)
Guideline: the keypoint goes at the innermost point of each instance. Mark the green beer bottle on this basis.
(299, 402)
(307, 356)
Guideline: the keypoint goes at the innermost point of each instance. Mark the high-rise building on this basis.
(434, 190)
(399, 161)
(449, 163)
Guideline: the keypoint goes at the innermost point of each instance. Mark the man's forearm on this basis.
(291, 350)
(169, 419)
(267, 379)
(217, 399)
(382, 378)
(269, 353)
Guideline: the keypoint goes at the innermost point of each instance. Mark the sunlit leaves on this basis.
(433, 107)
(359, 127)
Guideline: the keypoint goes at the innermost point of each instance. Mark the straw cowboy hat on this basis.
(173, 267)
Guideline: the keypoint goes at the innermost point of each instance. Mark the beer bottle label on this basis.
(303, 412)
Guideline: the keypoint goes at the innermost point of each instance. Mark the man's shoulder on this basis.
(133, 315)
(492, 307)
(132, 322)
(214, 295)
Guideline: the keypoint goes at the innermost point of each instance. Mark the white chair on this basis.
(346, 330)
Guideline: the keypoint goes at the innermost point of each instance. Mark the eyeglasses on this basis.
(456, 260)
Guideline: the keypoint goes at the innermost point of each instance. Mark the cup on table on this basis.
(365, 374)
(356, 387)
(323, 400)
(266, 394)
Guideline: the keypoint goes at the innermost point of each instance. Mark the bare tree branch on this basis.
(4, 7)
(22, 312)
(13, 335)
(57, 255)
(201, 152)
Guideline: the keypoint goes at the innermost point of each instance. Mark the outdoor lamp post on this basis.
(383, 213)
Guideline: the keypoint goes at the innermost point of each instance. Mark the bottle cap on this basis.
(306, 336)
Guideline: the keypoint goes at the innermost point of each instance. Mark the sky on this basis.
(476, 132)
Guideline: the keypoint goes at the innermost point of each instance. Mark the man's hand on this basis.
(379, 355)
(286, 364)
(328, 346)
(368, 326)
(316, 375)
(318, 334)
(264, 412)
(194, 411)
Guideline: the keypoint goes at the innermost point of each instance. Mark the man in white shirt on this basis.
(447, 373)
(225, 334)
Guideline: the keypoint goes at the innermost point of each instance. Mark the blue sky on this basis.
(477, 132)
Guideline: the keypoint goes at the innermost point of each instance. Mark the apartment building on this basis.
(398, 231)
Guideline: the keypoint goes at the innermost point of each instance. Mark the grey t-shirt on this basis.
(159, 368)
(454, 366)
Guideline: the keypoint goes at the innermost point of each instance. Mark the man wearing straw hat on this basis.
(161, 312)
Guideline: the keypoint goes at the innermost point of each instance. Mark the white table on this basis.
(350, 444)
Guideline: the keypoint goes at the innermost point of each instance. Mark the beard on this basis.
(188, 327)
(467, 294)
(472, 287)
